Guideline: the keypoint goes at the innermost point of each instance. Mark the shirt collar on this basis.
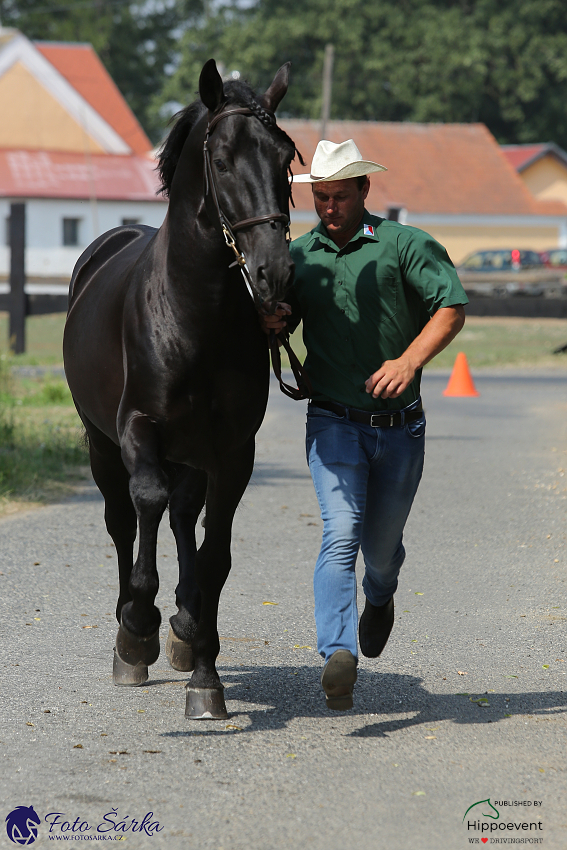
(367, 231)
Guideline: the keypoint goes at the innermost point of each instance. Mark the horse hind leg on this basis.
(185, 505)
(112, 479)
(137, 641)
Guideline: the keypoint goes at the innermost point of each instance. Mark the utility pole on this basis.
(17, 278)
(327, 89)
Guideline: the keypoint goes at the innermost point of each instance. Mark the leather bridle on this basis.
(303, 389)
(229, 229)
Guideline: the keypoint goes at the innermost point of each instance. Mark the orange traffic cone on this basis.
(461, 382)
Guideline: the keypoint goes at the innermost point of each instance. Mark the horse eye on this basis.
(220, 165)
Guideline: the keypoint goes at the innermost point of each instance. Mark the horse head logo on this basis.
(22, 824)
(484, 814)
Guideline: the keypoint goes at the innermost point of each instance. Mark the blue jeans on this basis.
(366, 479)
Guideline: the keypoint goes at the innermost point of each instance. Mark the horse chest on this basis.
(199, 433)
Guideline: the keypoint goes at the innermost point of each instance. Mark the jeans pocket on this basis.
(314, 412)
(416, 428)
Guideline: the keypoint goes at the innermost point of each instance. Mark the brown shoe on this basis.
(338, 678)
(375, 627)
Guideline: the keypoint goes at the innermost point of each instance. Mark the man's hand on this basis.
(394, 376)
(274, 321)
(391, 379)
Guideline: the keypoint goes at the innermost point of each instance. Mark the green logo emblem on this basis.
(480, 802)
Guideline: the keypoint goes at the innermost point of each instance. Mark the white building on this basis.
(72, 151)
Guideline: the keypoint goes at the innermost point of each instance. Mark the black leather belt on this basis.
(377, 420)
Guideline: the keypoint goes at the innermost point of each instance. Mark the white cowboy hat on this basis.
(337, 162)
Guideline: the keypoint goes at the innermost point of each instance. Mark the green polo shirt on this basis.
(365, 303)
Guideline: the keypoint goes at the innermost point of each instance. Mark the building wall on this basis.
(547, 179)
(36, 120)
(461, 241)
(46, 256)
(301, 224)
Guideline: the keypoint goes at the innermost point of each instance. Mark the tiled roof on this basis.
(519, 155)
(51, 174)
(432, 168)
(82, 68)
(522, 156)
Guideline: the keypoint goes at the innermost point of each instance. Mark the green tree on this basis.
(502, 62)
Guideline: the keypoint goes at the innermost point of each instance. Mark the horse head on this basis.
(245, 159)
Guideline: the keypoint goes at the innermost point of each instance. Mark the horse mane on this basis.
(235, 92)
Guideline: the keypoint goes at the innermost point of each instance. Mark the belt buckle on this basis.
(376, 425)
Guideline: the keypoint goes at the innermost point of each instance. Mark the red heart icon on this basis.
(484, 840)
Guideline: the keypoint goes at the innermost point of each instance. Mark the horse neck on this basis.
(198, 285)
(195, 251)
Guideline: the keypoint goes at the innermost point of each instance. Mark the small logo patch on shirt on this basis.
(368, 230)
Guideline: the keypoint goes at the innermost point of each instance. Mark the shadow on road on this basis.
(293, 692)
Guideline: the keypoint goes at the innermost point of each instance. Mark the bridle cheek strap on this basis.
(303, 389)
(228, 229)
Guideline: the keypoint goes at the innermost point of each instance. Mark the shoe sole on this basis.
(337, 680)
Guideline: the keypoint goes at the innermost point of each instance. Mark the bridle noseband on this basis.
(229, 229)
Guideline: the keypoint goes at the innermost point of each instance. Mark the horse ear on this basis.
(210, 86)
(278, 87)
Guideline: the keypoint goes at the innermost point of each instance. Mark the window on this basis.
(130, 221)
(71, 231)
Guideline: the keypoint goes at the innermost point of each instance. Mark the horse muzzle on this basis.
(271, 280)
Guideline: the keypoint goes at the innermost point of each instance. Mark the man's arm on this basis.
(394, 376)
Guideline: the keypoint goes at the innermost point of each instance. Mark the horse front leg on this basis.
(137, 641)
(205, 699)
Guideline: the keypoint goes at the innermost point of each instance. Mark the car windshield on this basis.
(558, 257)
(500, 261)
(497, 260)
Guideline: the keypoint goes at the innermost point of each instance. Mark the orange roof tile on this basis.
(432, 168)
(519, 155)
(81, 67)
(55, 174)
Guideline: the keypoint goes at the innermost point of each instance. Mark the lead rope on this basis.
(304, 388)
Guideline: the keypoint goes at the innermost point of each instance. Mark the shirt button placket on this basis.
(342, 295)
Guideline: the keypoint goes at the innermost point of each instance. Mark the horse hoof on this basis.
(133, 649)
(179, 653)
(128, 674)
(205, 704)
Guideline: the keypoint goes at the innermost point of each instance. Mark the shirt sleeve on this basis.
(427, 268)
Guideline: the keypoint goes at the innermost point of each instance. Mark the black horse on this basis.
(169, 368)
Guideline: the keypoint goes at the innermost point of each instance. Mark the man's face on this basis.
(340, 204)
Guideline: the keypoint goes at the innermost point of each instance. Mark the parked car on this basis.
(555, 258)
(503, 260)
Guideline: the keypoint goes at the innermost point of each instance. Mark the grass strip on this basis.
(492, 342)
(41, 445)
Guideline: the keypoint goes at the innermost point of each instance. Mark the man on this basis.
(378, 301)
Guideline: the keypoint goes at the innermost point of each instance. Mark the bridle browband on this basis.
(304, 389)
(228, 228)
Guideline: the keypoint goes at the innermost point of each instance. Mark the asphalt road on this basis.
(482, 592)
